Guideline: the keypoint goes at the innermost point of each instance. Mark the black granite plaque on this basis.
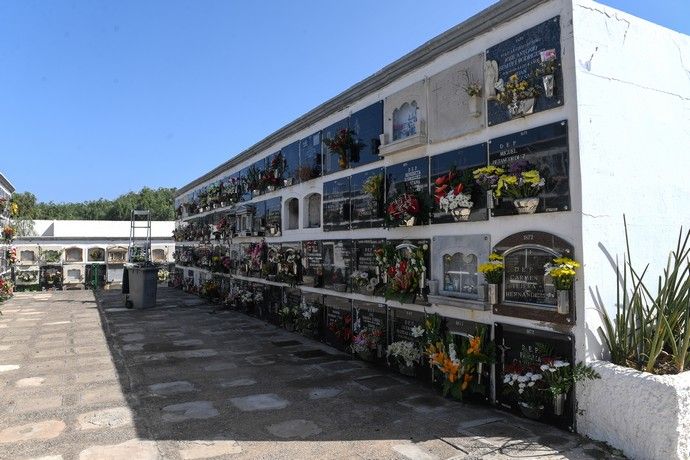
(338, 319)
(312, 261)
(365, 261)
(336, 205)
(525, 255)
(408, 177)
(331, 159)
(545, 149)
(273, 219)
(367, 206)
(521, 55)
(257, 188)
(310, 157)
(246, 193)
(367, 125)
(525, 346)
(372, 316)
(259, 218)
(464, 161)
(402, 322)
(291, 156)
(274, 301)
(337, 264)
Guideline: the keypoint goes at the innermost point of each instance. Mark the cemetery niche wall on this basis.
(401, 194)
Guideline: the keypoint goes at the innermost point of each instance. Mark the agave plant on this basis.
(651, 328)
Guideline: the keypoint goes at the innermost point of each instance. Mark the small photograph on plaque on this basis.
(544, 150)
(456, 196)
(523, 74)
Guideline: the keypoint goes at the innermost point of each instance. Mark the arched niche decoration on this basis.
(291, 213)
(527, 291)
(96, 254)
(117, 255)
(159, 255)
(27, 256)
(74, 254)
(312, 214)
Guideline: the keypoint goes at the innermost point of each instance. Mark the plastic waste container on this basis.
(140, 286)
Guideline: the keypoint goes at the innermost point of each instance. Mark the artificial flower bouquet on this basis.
(562, 272)
(453, 194)
(493, 269)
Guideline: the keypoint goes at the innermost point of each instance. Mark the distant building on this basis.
(82, 253)
(6, 191)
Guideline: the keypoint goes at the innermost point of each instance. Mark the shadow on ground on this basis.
(190, 373)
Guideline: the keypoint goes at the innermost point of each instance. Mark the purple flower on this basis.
(519, 166)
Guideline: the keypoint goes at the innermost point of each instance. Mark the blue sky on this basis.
(98, 98)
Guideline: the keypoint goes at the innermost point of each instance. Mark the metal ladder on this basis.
(140, 220)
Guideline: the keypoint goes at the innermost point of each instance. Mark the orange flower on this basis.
(466, 381)
(451, 370)
(475, 346)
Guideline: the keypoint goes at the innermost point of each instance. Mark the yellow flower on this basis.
(495, 256)
(531, 177)
(475, 346)
(490, 267)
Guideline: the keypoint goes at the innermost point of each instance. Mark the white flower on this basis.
(520, 390)
(531, 384)
(522, 378)
(552, 369)
(536, 377)
(417, 331)
(561, 363)
(506, 379)
(544, 367)
(521, 385)
(528, 375)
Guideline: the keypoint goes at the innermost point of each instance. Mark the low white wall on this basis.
(646, 416)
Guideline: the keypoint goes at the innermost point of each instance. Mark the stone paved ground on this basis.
(179, 382)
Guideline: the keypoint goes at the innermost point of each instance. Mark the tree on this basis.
(158, 201)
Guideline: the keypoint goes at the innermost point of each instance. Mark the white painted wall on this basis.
(633, 109)
(98, 228)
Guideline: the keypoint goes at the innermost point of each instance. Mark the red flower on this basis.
(391, 271)
(403, 266)
(441, 181)
(441, 190)
(459, 188)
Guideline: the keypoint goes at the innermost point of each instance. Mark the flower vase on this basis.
(473, 105)
(366, 355)
(480, 370)
(559, 403)
(526, 205)
(406, 370)
(489, 199)
(342, 161)
(410, 221)
(530, 411)
(548, 81)
(461, 214)
(493, 294)
(563, 301)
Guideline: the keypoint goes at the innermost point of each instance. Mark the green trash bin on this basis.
(142, 286)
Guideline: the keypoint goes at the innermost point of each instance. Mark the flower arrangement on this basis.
(6, 289)
(51, 256)
(366, 340)
(256, 252)
(342, 328)
(453, 195)
(307, 318)
(405, 209)
(253, 179)
(343, 142)
(288, 314)
(460, 359)
(96, 254)
(28, 276)
(246, 297)
(514, 90)
(487, 177)
(493, 269)
(373, 186)
(273, 176)
(562, 272)
(11, 256)
(521, 181)
(526, 386)
(210, 289)
(472, 87)
(406, 353)
(405, 271)
(163, 275)
(8, 233)
(560, 376)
